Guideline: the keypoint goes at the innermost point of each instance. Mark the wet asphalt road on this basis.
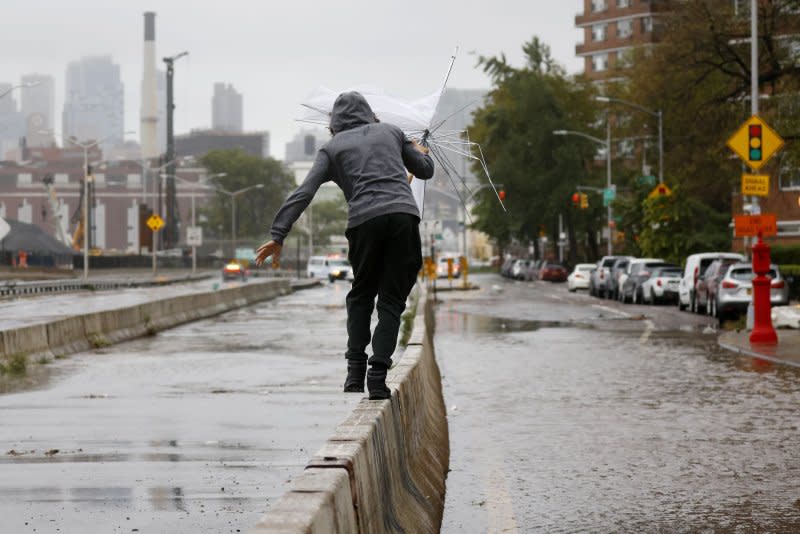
(571, 414)
(198, 429)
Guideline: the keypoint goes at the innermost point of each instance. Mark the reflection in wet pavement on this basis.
(556, 427)
(197, 429)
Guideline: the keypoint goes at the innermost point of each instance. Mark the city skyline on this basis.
(276, 54)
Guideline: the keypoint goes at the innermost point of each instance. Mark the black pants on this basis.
(386, 256)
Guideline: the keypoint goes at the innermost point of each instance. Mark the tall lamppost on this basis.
(20, 86)
(607, 144)
(233, 195)
(658, 114)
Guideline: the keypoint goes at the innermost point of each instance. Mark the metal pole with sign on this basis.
(155, 223)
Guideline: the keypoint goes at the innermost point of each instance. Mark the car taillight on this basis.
(658, 282)
(778, 285)
(729, 285)
(579, 276)
(602, 275)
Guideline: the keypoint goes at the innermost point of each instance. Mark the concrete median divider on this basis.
(384, 468)
(92, 330)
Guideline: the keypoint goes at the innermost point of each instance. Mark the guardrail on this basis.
(21, 289)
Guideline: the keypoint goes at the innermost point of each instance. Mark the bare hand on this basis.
(270, 248)
(419, 147)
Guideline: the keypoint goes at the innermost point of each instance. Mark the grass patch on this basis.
(98, 341)
(43, 360)
(16, 365)
(407, 320)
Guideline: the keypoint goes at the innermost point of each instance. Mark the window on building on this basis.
(599, 5)
(789, 178)
(600, 62)
(624, 28)
(623, 3)
(599, 32)
(625, 59)
(647, 24)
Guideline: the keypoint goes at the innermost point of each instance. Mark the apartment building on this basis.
(612, 28)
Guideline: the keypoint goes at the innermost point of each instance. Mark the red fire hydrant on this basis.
(763, 332)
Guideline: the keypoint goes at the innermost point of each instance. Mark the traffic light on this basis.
(501, 195)
(756, 153)
(584, 201)
(576, 199)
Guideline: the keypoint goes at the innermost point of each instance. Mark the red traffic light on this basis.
(576, 198)
(502, 194)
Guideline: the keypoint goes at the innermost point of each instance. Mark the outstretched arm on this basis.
(299, 200)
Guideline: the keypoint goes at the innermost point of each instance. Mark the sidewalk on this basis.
(786, 352)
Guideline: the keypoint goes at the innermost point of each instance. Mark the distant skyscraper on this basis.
(39, 109)
(94, 102)
(149, 110)
(305, 145)
(12, 124)
(226, 104)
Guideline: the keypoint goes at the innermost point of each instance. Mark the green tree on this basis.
(256, 208)
(538, 170)
(699, 75)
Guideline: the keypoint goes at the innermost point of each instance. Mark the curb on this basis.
(384, 468)
(93, 330)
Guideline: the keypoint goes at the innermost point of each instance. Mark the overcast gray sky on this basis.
(276, 52)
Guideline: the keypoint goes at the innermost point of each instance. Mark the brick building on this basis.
(612, 28)
(121, 196)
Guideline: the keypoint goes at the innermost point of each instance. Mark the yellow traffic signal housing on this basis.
(584, 201)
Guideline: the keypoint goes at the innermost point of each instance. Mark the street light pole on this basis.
(659, 114)
(607, 144)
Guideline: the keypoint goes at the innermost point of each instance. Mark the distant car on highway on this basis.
(441, 267)
(234, 271)
(579, 277)
(333, 267)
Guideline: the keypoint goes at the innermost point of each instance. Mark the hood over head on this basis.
(349, 111)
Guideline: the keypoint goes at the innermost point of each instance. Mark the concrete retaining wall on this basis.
(384, 468)
(81, 332)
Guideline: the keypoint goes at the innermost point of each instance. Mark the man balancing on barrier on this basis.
(368, 161)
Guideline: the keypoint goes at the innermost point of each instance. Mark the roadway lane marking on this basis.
(499, 504)
(612, 310)
(649, 327)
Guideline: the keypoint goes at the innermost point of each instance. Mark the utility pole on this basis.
(171, 236)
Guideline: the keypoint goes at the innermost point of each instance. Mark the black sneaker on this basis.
(356, 371)
(376, 384)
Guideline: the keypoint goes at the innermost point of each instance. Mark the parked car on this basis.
(639, 270)
(694, 268)
(662, 285)
(735, 290)
(233, 270)
(579, 277)
(518, 269)
(618, 268)
(553, 272)
(532, 270)
(442, 267)
(505, 269)
(598, 283)
(707, 284)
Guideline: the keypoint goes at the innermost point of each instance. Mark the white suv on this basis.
(333, 268)
(696, 265)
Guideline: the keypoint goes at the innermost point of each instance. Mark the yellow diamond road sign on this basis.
(755, 142)
(155, 222)
(661, 190)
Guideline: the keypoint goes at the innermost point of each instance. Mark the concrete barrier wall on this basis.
(81, 332)
(384, 468)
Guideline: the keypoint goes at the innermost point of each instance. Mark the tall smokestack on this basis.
(149, 111)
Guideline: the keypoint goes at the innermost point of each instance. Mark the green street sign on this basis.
(609, 195)
(649, 181)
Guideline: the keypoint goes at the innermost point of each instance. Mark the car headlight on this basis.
(336, 273)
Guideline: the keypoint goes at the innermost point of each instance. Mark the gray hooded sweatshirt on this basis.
(367, 160)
